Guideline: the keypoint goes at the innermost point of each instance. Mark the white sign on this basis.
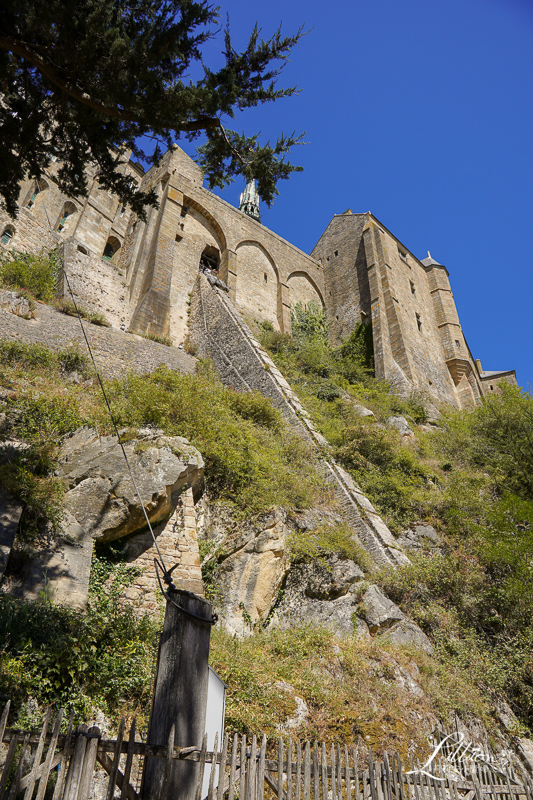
(214, 722)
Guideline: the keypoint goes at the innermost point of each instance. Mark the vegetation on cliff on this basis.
(469, 477)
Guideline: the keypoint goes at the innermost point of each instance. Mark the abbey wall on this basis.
(371, 277)
(140, 274)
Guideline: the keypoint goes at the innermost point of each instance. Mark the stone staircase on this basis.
(219, 333)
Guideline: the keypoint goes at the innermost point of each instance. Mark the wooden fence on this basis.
(50, 765)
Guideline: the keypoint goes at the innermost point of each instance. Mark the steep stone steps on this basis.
(219, 332)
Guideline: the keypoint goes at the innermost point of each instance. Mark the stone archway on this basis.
(303, 289)
(257, 293)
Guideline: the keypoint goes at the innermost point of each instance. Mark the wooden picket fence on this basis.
(50, 765)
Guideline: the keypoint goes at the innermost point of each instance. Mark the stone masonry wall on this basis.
(115, 352)
(370, 275)
(178, 543)
(257, 285)
(343, 260)
(195, 234)
(97, 284)
(420, 350)
(247, 252)
(358, 271)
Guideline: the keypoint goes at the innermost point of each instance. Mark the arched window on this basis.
(38, 187)
(68, 210)
(111, 249)
(7, 235)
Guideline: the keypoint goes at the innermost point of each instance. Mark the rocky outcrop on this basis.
(408, 634)
(401, 425)
(16, 303)
(101, 497)
(255, 561)
(385, 619)
(256, 582)
(378, 611)
(361, 411)
(338, 615)
(421, 537)
(319, 590)
(101, 505)
(327, 580)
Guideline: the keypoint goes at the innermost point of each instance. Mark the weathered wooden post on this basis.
(180, 694)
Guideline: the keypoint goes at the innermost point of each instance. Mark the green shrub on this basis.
(251, 457)
(159, 339)
(72, 309)
(496, 437)
(72, 360)
(315, 545)
(30, 355)
(104, 658)
(99, 319)
(327, 391)
(274, 341)
(309, 322)
(28, 475)
(255, 407)
(315, 356)
(27, 478)
(46, 419)
(355, 357)
(37, 274)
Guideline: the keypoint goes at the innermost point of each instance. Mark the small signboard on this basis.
(214, 721)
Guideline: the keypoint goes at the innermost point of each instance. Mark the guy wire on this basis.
(166, 574)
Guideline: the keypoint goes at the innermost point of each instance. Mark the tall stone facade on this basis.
(140, 274)
(371, 277)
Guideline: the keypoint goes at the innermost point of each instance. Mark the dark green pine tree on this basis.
(84, 80)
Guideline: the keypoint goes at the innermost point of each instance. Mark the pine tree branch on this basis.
(22, 50)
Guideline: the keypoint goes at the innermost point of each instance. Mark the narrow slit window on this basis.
(418, 322)
(413, 288)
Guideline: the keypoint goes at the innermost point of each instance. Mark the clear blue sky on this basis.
(420, 111)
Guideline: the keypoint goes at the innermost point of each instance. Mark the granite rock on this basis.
(101, 496)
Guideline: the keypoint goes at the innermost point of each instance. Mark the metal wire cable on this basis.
(166, 574)
(159, 563)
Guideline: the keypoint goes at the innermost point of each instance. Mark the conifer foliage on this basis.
(80, 78)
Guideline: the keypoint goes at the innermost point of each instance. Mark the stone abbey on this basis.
(140, 275)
